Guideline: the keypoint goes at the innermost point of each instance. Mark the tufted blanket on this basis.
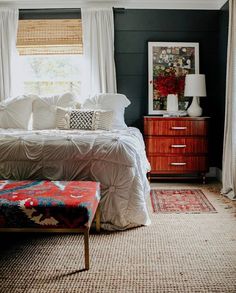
(116, 159)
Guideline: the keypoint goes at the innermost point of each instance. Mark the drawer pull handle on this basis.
(178, 145)
(178, 164)
(179, 127)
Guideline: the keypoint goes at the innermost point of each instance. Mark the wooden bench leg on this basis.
(98, 219)
(86, 249)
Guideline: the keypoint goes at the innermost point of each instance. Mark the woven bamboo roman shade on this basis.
(49, 37)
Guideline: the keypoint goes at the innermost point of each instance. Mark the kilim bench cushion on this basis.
(48, 205)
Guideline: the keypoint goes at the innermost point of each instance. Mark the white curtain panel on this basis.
(8, 53)
(98, 42)
(229, 152)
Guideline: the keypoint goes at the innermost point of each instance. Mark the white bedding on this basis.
(116, 159)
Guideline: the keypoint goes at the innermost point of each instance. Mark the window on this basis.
(51, 51)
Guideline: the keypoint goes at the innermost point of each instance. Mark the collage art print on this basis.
(168, 65)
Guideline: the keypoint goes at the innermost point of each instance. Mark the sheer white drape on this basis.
(98, 43)
(229, 152)
(8, 54)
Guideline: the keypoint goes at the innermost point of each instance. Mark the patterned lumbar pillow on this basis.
(84, 119)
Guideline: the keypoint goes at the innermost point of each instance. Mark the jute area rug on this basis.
(177, 253)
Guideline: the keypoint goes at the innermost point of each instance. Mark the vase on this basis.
(172, 103)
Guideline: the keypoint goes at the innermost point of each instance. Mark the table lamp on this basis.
(195, 86)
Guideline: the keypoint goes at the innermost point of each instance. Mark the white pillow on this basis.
(84, 119)
(16, 112)
(114, 102)
(45, 109)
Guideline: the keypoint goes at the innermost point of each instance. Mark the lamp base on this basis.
(194, 110)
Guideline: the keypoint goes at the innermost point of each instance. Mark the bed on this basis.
(115, 158)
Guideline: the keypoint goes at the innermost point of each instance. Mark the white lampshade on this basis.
(195, 85)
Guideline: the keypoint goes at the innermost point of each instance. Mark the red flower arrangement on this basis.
(170, 83)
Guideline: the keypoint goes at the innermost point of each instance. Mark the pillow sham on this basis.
(84, 119)
(45, 109)
(113, 102)
(16, 112)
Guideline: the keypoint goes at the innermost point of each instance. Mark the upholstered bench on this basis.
(50, 206)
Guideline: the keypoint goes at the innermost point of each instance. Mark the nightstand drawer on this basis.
(177, 164)
(178, 145)
(174, 127)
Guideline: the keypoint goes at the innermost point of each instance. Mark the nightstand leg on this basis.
(204, 178)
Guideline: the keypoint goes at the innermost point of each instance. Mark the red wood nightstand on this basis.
(177, 145)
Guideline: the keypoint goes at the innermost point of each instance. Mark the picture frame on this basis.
(168, 63)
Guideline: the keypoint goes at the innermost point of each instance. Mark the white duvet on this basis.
(116, 159)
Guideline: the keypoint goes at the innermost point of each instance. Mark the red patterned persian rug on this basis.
(180, 201)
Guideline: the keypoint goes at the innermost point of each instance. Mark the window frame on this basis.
(42, 14)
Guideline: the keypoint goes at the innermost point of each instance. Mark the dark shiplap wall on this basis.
(220, 97)
(134, 28)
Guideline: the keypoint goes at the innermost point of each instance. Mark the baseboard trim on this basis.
(219, 174)
(215, 172)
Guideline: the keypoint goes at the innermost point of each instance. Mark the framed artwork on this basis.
(168, 63)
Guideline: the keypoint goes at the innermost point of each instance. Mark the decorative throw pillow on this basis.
(45, 109)
(105, 119)
(16, 113)
(84, 119)
(113, 102)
